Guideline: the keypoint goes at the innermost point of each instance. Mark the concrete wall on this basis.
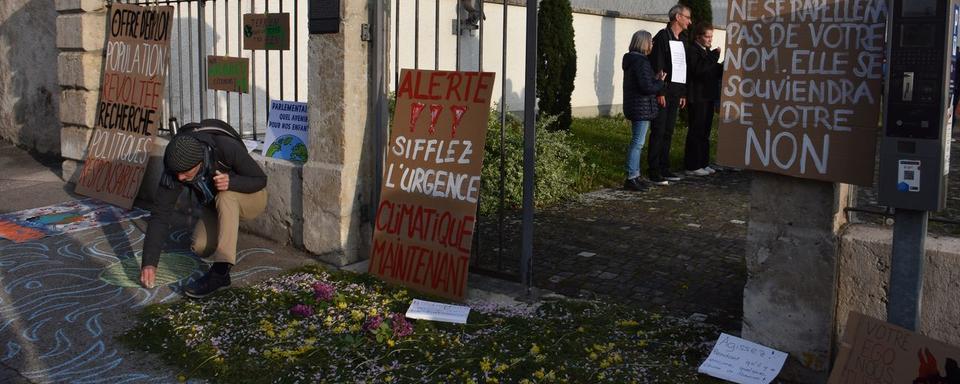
(29, 90)
(601, 42)
(864, 274)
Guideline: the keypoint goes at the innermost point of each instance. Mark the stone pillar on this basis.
(338, 178)
(80, 35)
(792, 252)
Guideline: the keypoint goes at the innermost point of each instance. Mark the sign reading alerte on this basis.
(801, 88)
(426, 217)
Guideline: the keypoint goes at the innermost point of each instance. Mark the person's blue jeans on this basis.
(640, 128)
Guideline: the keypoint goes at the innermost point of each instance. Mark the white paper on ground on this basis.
(678, 59)
(429, 310)
(741, 361)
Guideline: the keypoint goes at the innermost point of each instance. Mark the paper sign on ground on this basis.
(72, 216)
(873, 351)
(287, 131)
(268, 31)
(678, 62)
(741, 361)
(425, 221)
(429, 310)
(796, 98)
(231, 74)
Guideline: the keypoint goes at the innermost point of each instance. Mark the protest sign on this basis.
(287, 131)
(429, 310)
(875, 352)
(269, 31)
(114, 167)
(801, 88)
(742, 361)
(134, 68)
(231, 74)
(426, 216)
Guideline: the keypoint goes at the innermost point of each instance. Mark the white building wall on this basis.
(601, 42)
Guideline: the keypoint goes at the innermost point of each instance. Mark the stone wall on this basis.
(864, 275)
(80, 36)
(29, 89)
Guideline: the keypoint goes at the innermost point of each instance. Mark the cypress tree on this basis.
(700, 10)
(557, 60)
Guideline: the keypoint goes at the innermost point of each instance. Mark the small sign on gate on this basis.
(229, 74)
(270, 31)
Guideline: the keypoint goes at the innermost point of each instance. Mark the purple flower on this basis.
(323, 291)
(301, 310)
(401, 327)
(372, 323)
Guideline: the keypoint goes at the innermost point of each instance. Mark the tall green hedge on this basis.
(557, 61)
(700, 9)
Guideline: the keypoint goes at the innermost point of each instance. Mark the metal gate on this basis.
(473, 35)
(204, 28)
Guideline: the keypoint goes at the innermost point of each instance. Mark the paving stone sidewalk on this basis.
(675, 249)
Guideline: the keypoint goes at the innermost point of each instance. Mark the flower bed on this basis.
(316, 326)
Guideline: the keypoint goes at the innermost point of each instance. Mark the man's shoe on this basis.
(670, 176)
(658, 180)
(708, 169)
(698, 172)
(207, 284)
(634, 184)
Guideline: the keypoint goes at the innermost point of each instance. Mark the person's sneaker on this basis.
(709, 169)
(658, 180)
(670, 176)
(635, 184)
(698, 172)
(207, 284)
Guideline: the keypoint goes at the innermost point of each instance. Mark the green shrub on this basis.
(556, 61)
(557, 163)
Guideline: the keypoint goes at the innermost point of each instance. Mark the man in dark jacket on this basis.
(225, 183)
(671, 98)
(703, 91)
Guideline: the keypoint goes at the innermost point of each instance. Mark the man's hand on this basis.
(148, 275)
(222, 181)
(662, 101)
(683, 102)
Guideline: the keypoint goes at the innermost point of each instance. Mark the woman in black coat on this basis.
(703, 91)
(640, 87)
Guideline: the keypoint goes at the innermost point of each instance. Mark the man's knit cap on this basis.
(183, 152)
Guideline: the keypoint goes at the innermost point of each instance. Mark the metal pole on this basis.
(906, 268)
(380, 31)
(202, 48)
(529, 141)
(503, 139)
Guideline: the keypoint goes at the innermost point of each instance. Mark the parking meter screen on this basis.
(919, 8)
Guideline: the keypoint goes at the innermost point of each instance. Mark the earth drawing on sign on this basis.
(288, 147)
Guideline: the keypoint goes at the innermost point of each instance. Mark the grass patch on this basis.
(316, 326)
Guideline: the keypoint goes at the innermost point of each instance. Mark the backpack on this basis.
(214, 127)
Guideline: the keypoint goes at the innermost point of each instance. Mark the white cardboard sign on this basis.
(741, 361)
(429, 310)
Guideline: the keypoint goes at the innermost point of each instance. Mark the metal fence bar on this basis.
(416, 34)
(283, 95)
(503, 138)
(529, 150)
(436, 35)
(202, 45)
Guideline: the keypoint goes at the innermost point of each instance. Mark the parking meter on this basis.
(921, 65)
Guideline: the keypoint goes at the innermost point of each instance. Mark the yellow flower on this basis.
(580, 329)
(593, 356)
(328, 321)
(525, 381)
(342, 305)
(485, 364)
(356, 315)
(181, 378)
(539, 374)
(372, 312)
(535, 349)
(500, 368)
(492, 380)
(355, 328)
(391, 343)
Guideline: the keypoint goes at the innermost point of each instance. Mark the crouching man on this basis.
(225, 184)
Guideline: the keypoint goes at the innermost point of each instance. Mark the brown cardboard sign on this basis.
(425, 221)
(801, 88)
(231, 74)
(114, 167)
(267, 31)
(135, 62)
(876, 352)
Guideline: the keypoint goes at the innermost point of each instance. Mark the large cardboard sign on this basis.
(876, 352)
(131, 94)
(426, 216)
(287, 127)
(135, 68)
(801, 88)
(114, 168)
(231, 74)
(268, 31)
